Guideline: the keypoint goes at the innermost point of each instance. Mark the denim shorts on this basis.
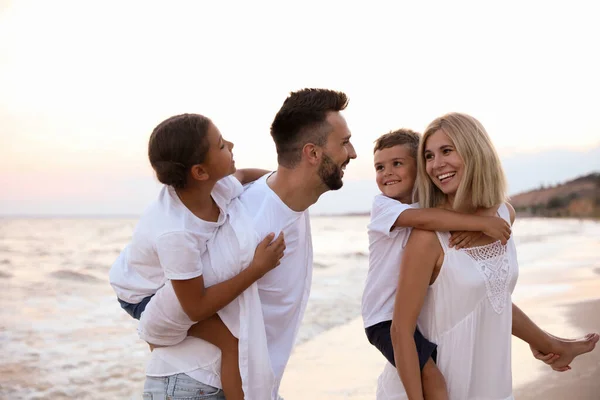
(135, 310)
(179, 387)
(380, 337)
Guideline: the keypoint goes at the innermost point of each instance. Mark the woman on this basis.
(461, 298)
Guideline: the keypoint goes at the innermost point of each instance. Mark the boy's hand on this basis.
(268, 253)
(496, 228)
(462, 239)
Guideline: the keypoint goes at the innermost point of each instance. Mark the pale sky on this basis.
(82, 84)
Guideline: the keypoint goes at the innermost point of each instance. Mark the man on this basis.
(313, 149)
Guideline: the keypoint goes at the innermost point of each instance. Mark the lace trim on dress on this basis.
(492, 262)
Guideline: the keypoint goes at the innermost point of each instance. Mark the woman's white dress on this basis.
(468, 314)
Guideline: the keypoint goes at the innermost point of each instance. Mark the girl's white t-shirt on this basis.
(168, 242)
(283, 293)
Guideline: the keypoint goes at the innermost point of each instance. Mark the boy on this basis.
(392, 218)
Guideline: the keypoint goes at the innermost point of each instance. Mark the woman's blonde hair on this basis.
(483, 183)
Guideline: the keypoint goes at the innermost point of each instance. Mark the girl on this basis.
(166, 277)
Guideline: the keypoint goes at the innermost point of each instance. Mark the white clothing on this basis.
(228, 253)
(284, 290)
(172, 243)
(468, 313)
(167, 243)
(386, 245)
(283, 294)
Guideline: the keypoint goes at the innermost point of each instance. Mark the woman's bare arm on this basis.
(421, 256)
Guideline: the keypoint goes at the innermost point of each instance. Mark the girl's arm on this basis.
(247, 175)
(437, 219)
(421, 256)
(199, 303)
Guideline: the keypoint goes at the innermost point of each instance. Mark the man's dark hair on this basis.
(399, 137)
(301, 120)
(177, 144)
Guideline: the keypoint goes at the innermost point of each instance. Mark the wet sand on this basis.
(341, 364)
(582, 382)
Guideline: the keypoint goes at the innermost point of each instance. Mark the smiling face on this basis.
(396, 171)
(443, 164)
(337, 153)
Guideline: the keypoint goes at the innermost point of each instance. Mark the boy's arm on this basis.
(247, 175)
(461, 239)
(436, 219)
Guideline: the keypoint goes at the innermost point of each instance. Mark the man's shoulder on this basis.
(255, 191)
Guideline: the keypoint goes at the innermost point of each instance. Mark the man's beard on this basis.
(330, 173)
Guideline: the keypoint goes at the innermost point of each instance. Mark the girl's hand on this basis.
(268, 253)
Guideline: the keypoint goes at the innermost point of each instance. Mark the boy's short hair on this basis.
(402, 136)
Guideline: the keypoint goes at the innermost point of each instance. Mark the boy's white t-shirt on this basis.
(168, 243)
(283, 293)
(386, 246)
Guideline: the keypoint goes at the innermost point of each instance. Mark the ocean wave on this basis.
(98, 252)
(42, 252)
(319, 265)
(5, 275)
(356, 254)
(74, 276)
(532, 237)
(94, 266)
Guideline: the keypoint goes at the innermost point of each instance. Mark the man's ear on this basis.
(199, 173)
(312, 153)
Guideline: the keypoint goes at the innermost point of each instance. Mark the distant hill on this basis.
(526, 171)
(579, 198)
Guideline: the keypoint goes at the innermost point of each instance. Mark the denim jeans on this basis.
(179, 387)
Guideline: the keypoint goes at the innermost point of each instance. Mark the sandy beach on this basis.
(583, 381)
(341, 364)
(64, 336)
